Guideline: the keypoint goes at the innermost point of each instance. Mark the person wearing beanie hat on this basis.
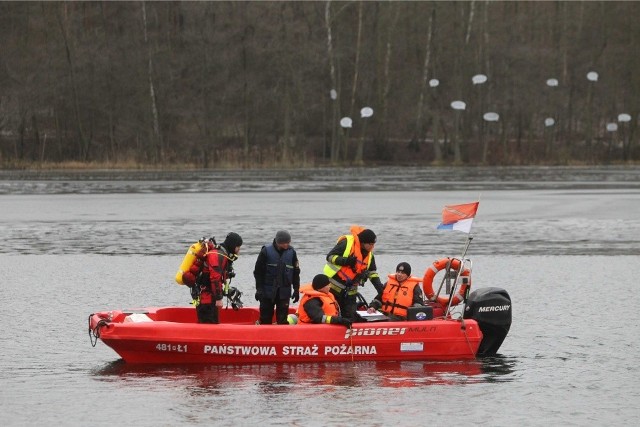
(318, 305)
(349, 265)
(277, 276)
(400, 292)
(217, 269)
(404, 267)
(367, 236)
(283, 236)
(319, 282)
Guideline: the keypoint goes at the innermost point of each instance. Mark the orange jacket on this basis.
(329, 304)
(397, 297)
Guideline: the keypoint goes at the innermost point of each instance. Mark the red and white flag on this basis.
(458, 217)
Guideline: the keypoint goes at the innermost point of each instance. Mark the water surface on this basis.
(564, 243)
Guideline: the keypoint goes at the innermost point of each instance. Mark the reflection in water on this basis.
(498, 368)
(285, 378)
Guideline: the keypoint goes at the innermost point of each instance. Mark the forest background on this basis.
(271, 84)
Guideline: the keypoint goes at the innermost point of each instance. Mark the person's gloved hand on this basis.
(258, 295)
(295, 297)
(345, 322)
(350, 261)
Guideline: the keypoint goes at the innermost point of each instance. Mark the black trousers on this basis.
(281, 309)
(348, 305)
(207, 313)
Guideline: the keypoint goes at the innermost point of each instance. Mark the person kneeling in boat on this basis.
(318, 305)
(215, 272)
(400, 292)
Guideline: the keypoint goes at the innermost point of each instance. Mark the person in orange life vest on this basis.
(318, 305)
(218, 267)
(400, 292)
(277, 274)
(349, 264)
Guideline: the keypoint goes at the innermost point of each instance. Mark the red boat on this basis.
(170, 335)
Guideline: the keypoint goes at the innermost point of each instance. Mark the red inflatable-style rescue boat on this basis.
(171, 335)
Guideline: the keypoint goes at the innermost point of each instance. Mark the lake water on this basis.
(564, 242)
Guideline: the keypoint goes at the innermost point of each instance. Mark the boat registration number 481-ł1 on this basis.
(178, 348)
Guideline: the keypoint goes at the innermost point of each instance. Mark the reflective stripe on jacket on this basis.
(342, 276)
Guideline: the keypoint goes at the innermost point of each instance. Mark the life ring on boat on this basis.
(441, 264)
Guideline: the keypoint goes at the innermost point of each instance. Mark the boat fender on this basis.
(430, 274)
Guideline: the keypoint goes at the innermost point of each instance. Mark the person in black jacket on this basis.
(277, 275)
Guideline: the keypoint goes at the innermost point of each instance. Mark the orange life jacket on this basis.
(329, 304)
(397, 297)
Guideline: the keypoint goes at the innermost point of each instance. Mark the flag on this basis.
(458, 217)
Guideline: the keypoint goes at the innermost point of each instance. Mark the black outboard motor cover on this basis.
(491, 308)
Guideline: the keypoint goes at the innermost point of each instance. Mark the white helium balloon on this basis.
(434, 82)
(624, 117)
(478, 79)
(552, 82)
(612, 127)
(549, 122)
(333, 94)
(592, 76)
(346, 122)
(366, 112)
(491, 117)
(458, 105)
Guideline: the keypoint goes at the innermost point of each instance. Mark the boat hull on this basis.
(173, 336)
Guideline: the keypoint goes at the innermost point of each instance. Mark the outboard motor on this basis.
(491, 308)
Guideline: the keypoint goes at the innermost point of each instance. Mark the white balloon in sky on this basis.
(624, 117)
(346, 122)
(552, 82)
(592, 76)
(434, 82)
(478, 79)
(458, 105)
(491, 117)
(333, 94)
(366, 112)
(612, 127)
(549, 122)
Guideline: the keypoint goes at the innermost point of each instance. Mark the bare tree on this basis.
(158, 153)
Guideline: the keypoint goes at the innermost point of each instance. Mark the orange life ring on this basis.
(430, 273)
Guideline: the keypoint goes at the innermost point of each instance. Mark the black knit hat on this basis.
(404, 267)
(232, 241)
(367, 236)
(319, 281)
(283, 236)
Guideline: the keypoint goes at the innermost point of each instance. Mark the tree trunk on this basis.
(418, 133)
(335, 136)
(354, 88)
(83, 141)
(158, 150)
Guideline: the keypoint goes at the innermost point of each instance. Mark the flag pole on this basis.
(469, 236)
(466, 246)
(455, 282)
